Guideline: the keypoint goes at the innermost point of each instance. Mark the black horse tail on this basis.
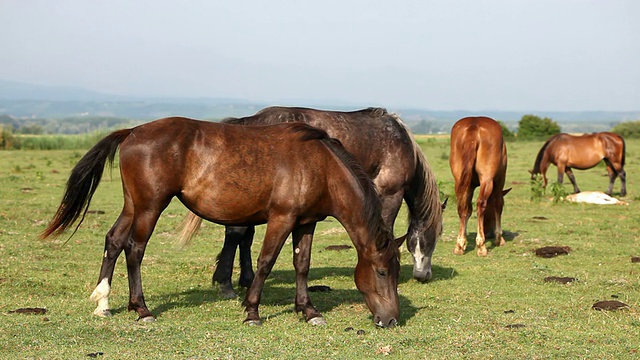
(83, 182)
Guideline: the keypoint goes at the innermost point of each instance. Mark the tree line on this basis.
(43, 134)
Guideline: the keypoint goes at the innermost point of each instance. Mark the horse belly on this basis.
(228, 205)
(583, 160)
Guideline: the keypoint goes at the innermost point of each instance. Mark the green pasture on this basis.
(494, 307)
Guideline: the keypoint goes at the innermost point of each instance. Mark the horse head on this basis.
(376, 277)
(421, 245)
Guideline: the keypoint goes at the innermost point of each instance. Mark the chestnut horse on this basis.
(289, 176)
(384, 146)
(479, 158)
(583, 152)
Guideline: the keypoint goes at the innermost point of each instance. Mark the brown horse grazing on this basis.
(479, 158)
(583, 152)
(383, 145)
(289, 176)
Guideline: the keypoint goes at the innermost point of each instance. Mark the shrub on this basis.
(628, 130)
(532, 127)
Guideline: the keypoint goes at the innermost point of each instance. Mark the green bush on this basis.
(506, 133)
(532, 127)
(628, 130)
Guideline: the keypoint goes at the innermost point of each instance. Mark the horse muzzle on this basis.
(385, 323)
(422, 275)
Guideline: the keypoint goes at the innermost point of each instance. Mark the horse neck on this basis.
(541, 158)
(355, 202)
(423, 198)
(364, 225)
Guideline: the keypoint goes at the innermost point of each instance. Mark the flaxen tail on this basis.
(190, 226)
(83, 182)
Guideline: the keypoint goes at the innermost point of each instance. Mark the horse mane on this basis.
(373, 111)
(536, 164)
(372, 205)
(427, 197)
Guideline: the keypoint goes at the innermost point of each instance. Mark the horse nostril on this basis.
(393, 323)
(422, 277)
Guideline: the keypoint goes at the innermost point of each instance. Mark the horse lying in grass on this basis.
(289, 176)
(479, 158)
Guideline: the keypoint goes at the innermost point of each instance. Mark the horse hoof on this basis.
(458, 251)
(253, 322)
(147, 319)
(103, 313)
(228, 294)
(317, 321)
(482, 252)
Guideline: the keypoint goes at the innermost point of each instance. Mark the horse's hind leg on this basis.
(234, 237)
(623, 182)
(278, 228)
(486, 187)
(302, 239)
(114, 244)
(465, 206)
(572, 178)
(614, 172)
(141, 229)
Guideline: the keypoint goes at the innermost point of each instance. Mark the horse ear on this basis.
(444, 203)
(401, 240)
(505, 192)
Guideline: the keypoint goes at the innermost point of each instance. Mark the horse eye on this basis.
(381, 273)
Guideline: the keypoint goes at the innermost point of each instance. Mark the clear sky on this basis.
(520, 55)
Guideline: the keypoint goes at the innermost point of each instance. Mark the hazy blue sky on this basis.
(439, 55)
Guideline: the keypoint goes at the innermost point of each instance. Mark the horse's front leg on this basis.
(573, 179)
(302, 239)
(142, 228)
(114, 244)
(278, 228)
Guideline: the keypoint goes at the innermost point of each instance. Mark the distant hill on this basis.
(27, 101)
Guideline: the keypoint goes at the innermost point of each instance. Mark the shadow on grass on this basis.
(280, 289)
(489, 240)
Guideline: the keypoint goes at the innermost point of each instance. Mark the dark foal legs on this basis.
(234, 236)
(302, 239)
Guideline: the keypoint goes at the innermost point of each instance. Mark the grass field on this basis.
(493, 307)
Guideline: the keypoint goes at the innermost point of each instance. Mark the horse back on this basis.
(584, 151)
(210, 166)
(379, 141)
